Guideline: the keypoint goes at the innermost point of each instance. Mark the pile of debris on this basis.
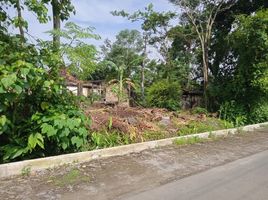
(138, 120)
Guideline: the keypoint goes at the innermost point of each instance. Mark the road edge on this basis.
(35, 165)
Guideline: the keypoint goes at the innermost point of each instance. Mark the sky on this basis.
(96, 13)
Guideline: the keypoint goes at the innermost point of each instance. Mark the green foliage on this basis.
(199, 110)
(38, 116)
(108, 139)
(71, 177)
(81, 57)
(259, 113)
(26, 171)
(164, 94)
(153, 135)
(210, 124)
(190, 140)
(245, 86)
(123, 54)
(32, 118)
(234, 113)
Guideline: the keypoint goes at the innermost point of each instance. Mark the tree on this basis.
(246, 86)
(38, 115)
(202, 14)
(20, 18)
(155, 28)
(126, 50)
(120, 82)
(61, 10)
(80, 57)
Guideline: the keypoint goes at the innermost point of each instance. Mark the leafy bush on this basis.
(38, 116)
(165, 94)
(234, 113)
(245, 87)
(259, 113)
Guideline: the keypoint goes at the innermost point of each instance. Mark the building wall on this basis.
(73, 89)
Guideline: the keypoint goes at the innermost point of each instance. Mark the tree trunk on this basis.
(20, 19)
(142, 82)
(56, 23)
(79, 89)
(143, 69)
(205, 71)
(120, 86)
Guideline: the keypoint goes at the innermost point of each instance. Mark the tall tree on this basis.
(126, 50)
(20, 18)
(202, 14)
(61, 10)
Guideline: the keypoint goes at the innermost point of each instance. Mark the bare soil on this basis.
(118, 177)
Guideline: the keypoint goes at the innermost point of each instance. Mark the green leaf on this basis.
(3, 120)
(18, 89)
(44, 105)
(83, 132)
(2, 90)
(24, 71)
(35, 139)
(77, 141)
(66, 132)
(59, 123)
(9, 80)
(64, 146)
(40, 140)
(48, 129)
(32, 141)
(17, 154)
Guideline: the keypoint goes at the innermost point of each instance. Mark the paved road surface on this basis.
(244, 179)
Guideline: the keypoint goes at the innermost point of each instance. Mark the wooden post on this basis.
(79, 89)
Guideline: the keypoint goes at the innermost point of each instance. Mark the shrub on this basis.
(38, 116)
(164, 94)
(234, 113)
(259, 113)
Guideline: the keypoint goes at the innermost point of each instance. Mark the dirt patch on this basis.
(118, 177)
(140, 120)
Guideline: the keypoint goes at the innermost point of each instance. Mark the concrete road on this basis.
(244, 179)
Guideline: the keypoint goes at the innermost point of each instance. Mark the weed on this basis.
(212, 135)
(105, 139)
(264, 125)
(153, 135)
(72, 177)
(211, 124)
(110, 125)
(240, 131)
(26, 171)
(190, 140)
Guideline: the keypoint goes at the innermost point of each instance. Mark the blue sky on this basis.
(96, 13)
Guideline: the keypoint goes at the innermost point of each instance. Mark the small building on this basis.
(89, 88)
(191, 99)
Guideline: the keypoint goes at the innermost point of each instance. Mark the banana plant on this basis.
(121, 81)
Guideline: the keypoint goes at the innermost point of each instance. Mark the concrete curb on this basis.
(35, 165)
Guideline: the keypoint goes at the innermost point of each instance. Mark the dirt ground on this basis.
(118, 177)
